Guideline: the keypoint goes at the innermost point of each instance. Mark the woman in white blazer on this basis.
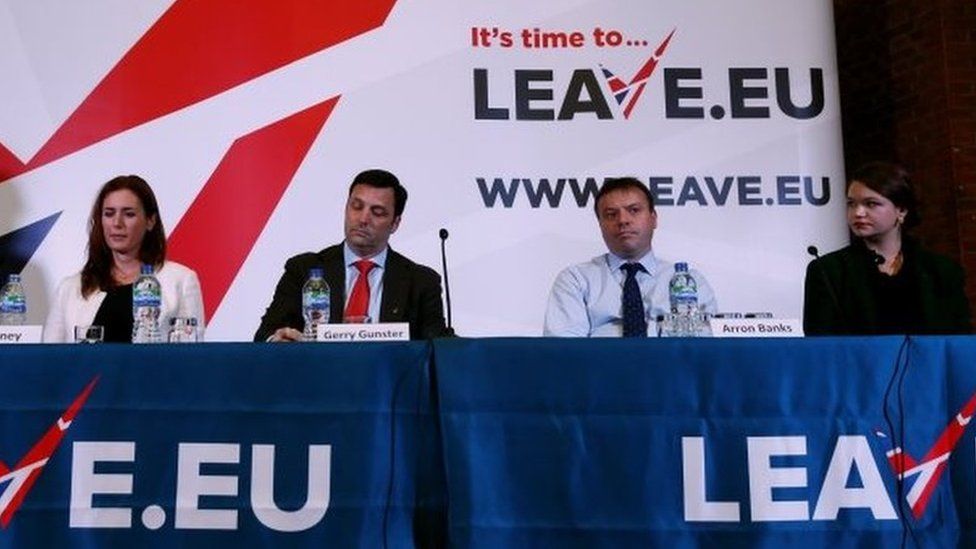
(124, 232)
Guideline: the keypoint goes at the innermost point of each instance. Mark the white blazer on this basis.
(181, 298)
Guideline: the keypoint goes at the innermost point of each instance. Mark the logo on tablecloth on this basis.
(851, 455)
(21, 478)
(929, 469)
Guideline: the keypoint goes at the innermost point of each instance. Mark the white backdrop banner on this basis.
(501, 118)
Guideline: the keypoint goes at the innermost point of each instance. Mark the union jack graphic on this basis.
(198, 60)
(21, 478)
(636, 85)
(931, 466)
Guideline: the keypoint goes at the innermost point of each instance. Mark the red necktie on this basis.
(358, 302)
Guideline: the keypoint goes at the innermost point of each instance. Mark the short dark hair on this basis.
(97, 272)
(892, 182)
(382, 179)
(611, 184)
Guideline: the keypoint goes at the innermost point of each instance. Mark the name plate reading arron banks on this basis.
(756, 327)
(356, 333)
(20, 334)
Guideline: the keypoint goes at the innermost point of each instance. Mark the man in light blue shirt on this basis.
(588, 299)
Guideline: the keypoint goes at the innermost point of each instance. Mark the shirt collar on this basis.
(648, 261)
(350, 257)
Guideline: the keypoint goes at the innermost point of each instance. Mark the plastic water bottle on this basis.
(315, 303)
(683, 290)
(147, 299)
(13, 302)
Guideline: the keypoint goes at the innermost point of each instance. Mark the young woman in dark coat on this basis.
(884, 282)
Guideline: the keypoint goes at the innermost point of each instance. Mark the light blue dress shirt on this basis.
(375, 279)
(586, 299)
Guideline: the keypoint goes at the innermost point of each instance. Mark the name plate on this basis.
(20, 334)
(356, 333)
(756, 327)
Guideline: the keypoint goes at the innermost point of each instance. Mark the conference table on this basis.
(528, 442)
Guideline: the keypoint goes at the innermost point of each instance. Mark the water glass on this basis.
(183, 330)
(676, 325)
(89, 334)
(703, 325)
(667, 325)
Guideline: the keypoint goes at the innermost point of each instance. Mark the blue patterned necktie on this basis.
(635, 325)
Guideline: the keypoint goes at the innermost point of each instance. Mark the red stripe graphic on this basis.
(198, 49)
(29, 467)
(219, 229)
(645, 73)
(10, 165)
(929, 469)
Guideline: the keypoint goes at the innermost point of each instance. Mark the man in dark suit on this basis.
(381, 284)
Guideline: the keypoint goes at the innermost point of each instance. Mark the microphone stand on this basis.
(449, 330)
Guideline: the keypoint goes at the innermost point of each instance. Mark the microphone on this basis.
(816, 270)
(449, 331)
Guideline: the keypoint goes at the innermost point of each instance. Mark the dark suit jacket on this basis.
(411, 293)
(839, 298)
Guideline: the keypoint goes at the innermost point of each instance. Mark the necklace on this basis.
(895, 266)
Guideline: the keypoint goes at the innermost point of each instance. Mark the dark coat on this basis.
(411, 293)
(839, 298)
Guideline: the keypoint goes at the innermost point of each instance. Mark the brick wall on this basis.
(907, 71)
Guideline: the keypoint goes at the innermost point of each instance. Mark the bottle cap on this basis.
(14, 277)
(681, 267)
(316, 272)
(146, 269)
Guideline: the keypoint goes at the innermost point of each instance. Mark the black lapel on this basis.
(335, 274)
(862, 295)
(927, 284)
(395, 288)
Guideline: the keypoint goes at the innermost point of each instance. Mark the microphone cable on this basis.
(896, 382)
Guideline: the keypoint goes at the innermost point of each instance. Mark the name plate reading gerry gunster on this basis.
(20, 334)
(756, 327)
(357, 333)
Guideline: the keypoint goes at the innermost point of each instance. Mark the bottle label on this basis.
(684, 292)
(316, 300)
(13, 304)
(146, 293)
(683, 284)
(147, 299)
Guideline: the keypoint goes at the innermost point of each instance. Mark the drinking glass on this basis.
(89, 334)
(667, 325)
(183, 330)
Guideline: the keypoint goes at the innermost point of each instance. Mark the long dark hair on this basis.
(892, 182)
(97, 272)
